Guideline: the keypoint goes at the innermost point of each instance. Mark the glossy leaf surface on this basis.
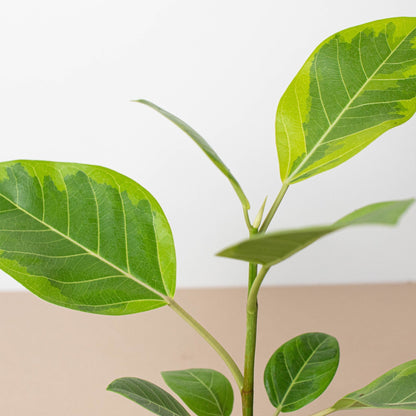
(84, 237)
(395, 389)
(300, 370)
(357, 84)
(204, 146)
(206, 392)
(148, 395)
(272, 248)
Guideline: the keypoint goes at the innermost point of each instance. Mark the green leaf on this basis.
(300, 370)
(84, 237)
(272, 248)
(205, 147)
(357, 84)
(148, 395)
(395, 389)
(206, 392)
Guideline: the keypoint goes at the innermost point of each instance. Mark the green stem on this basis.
(251, 229)
(252, 273)
(222, 352)
(252, 267)
(274, 207)
(252, 297)
(247, 392)
(325, 412)
(254, 282)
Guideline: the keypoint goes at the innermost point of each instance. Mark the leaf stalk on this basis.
(277, 411)
(325, 412)
(252, 297)
(222, 352)
(251, 229)
(274, 207)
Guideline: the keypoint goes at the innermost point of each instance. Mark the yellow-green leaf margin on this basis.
(85, 237)
(356, 84)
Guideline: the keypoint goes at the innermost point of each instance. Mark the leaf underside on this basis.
(300, 370)
(206, 392)
(357, 84)
(395, 389)
(272, 248)
(148, 395)
(84, 237)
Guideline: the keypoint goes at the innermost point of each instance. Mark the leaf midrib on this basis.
(331, 126)
(394, 378)
(148, 399)
(293, 381)
(209, 390)
(86, 249)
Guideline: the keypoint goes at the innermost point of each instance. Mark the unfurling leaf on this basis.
(357, 84)
(272, 248)
(148, 395)
(395, 389)
(300, 370)
(206, 392)
(84, 237)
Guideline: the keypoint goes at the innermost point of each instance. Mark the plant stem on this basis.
(252, 297)
(235, 371)
(325, 412)
(247, 392)
(252, 267)
(274, 207)
(255, 281)
(251, 229)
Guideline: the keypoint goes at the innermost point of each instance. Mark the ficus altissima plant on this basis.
(88, 238)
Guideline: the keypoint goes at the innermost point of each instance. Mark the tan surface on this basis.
(54, 361)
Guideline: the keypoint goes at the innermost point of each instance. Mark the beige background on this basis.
(54, 361)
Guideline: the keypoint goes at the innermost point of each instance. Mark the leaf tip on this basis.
(139, 100)
(222, 253)
(111, 385)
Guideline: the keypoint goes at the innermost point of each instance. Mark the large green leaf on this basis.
(206, 392)
(205, 147)
(148, 395)
(272, 248)
(395, 389)
(84, 237)
(357, 84)
(300, 370)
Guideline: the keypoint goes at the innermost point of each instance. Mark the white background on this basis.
(69, 69)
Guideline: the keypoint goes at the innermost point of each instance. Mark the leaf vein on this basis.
(331, 126)
(123, 272)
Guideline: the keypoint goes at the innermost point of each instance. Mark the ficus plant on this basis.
(88, 238)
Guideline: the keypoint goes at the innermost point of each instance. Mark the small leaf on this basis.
(300, 370)
(205, 147)
(148, 395)
(206, 392)
(272, 248)
(395, 389)
(356, 85)
(84, 237)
